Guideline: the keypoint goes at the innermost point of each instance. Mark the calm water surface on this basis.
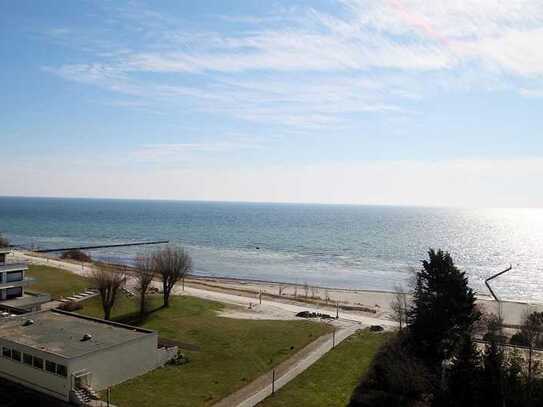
(370, 247)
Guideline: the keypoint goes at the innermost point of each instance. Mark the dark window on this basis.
(16, 355)
(14, 276)
(38, 363)
(62, 371)
(27, 359)
(14, 292)
(6, 352)
(51, 367)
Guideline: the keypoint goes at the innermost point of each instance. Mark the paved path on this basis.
(285, 307)
(259, 389)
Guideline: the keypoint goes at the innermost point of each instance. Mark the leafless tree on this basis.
(108, 281)
(172, 263)
(145, 273)
(314, 291)
(531, 336)
(399, 306)
(306, 289)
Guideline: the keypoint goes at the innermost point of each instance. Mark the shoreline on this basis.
(374, 303)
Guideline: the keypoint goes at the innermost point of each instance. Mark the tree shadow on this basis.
(135, 318)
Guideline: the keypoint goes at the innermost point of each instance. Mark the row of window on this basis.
(11, 276)
(34, 361)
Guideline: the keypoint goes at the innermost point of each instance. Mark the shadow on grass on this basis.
(135, 318)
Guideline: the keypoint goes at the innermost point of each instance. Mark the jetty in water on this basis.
(102, 246)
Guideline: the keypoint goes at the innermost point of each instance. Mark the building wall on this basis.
(40, 380)
(119, 363)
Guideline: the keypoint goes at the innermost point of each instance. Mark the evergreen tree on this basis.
(492, 380)
(443, 310)
(463, 387)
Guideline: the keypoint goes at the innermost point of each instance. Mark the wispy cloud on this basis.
(305, 68)
(187, 152)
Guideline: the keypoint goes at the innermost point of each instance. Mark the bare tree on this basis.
(314, 291)
(306, 289)
(172, 264)
(145, 273)
(108, 281)
(531, 336)
(399, 306)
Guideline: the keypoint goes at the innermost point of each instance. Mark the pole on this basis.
(183, 282)
(273, 381)
(260, 297)
(487, 281)
(108, 396)
(334, 338)
(337, 309)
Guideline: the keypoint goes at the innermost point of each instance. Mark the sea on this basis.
(340, 246)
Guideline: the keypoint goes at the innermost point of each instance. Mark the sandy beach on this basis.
(374, 305)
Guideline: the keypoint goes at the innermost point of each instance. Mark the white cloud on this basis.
(186, 152)
(306, 69)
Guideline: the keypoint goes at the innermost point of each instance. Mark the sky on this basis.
(401, 102)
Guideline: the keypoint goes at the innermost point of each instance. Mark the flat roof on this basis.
(61, 333)
(26, 301)
(13, 267)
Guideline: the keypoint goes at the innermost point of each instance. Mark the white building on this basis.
(69, 356)
(12, 287)
(12, 277)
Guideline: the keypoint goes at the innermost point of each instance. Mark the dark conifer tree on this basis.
(443, 310)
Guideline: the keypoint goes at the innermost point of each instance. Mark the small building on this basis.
(13, 280)
(70, 356)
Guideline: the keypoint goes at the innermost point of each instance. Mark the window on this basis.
(14, 292)
(38, 363)
(16, 355)
(62, 371)
(14, 276)
(27, 359)
(51, 367)
(6, 352)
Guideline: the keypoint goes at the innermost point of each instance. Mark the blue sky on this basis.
(378, 102)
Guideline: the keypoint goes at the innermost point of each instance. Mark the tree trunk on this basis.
(142, 303)
(166, 293)
(107, 313)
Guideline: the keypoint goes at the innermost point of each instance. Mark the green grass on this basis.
(331, 380)
(58, 283)
(233, 352)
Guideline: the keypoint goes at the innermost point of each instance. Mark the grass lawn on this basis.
(58, 283)
(233, 352)
(331, 380)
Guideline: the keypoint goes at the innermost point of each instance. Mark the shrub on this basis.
(71, 306)
(4, 242)
(395, 378)
(76, 255)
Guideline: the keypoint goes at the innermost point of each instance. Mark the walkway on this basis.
(259, 389)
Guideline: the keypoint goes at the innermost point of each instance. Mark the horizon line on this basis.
(265, 202)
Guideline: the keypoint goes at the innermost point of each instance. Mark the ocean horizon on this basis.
(331, 245)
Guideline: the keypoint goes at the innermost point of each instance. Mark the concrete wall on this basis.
(119, 363)
(40, 380)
